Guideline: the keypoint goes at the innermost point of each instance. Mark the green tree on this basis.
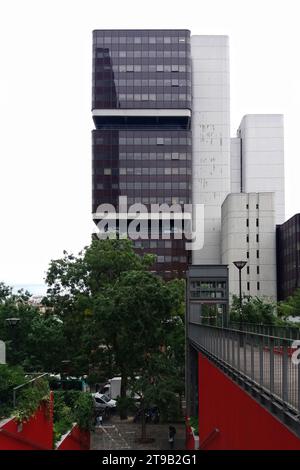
(254, 310)
(36, 342)
(116, 310)
(290, 307)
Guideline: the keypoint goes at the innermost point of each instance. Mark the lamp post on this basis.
(12, 323)
(240, 265)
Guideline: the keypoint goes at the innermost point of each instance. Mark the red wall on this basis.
(75, 440)
(243, 423)
(35, 434)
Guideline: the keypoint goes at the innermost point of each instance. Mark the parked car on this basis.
(102, 402)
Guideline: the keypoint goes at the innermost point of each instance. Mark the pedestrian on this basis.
(99, 420)
(172, 432)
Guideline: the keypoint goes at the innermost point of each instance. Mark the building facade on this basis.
(161, 109)
(248, 234)
(288, 257)
(142, 144)
(211, 137)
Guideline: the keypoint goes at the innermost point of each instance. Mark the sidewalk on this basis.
(117, 434)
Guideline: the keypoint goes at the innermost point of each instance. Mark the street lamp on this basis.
(12, 321)
(240, 265)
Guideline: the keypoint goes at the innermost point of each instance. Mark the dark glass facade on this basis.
(288, 257)
(141, 69)
(146, 156)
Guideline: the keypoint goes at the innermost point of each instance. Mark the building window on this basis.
(247, 206)
(247, 254)
(107, 171)
(160, 141)
(257, 206)
(248, 270)
(248, 285)
(247, 238)
(257, 269)
(257, 253)
(257, 238)
(247, 222)
(257, 222)
(258, 286)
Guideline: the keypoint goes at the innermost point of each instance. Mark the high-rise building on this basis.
(161, 108)
(142, 145)
(288, 257)
(211, 137)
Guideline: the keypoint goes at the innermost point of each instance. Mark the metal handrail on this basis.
(284, 331)
(265, 361)
(18, 387)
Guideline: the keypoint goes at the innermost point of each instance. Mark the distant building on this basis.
(248, 234)
(288, 257)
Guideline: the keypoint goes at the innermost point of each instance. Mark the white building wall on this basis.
(263, 157)
(235, 165)
(211, 137)
(239, 242)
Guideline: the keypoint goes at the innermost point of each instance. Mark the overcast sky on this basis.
(45, 101)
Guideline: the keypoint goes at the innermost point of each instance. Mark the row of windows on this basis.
(148, 156)
(247, 206)
(143, 171)
(247, 222)
(171, 259)
(257, 254)
(207, 294)
(208, 285)
(146, 97)
(151, 68)
(149, 140)
(154, 200)
(137, 54)
(257, 238)
(153, 244)
(257, 285)
(143, 83)
(141, 40)
(257, 270)
(153, 185)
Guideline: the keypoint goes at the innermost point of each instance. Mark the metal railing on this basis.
(30, 382)
(263, 360)
(290, 332)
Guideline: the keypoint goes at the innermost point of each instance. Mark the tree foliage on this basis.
(254, 310)
(117, 311)
(290, 307)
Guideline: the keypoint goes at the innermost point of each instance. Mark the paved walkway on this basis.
(117, 434)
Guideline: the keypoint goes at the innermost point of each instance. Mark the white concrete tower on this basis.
(262, 157)
(248, 234)
(211, 137)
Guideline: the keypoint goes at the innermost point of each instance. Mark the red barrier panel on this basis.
(76, 439)
(35, 434)
(230, 419)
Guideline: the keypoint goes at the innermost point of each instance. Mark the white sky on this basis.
(45, 100)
